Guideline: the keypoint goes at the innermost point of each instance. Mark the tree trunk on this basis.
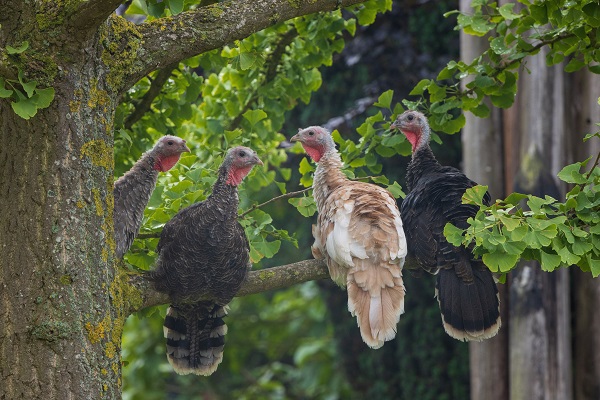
(586, 299)
(481, 140)
(540, 335)
(61, 297)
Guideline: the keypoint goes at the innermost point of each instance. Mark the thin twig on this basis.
(593, 166)
(283, 196)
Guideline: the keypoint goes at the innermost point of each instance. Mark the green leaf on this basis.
(385, 99)
(29, 87)
(43, 97)
(549, 261)
(305, 166)
(4, 93)
(515, 198)
(504, 100)
(305, 205)
(500, 262)
(453, 234)
(571, 174)
(176, 6)
(539, 13)
(474, 195)
(396, 190)
(255, 116)
(507, 11)
(567, 257)
(510, 223)
(18, 49)
(420, 87)
(24, 108)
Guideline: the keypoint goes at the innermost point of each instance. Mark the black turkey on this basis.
(465, 288)
(203, 253)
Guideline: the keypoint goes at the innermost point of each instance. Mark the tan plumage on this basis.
(359, 234)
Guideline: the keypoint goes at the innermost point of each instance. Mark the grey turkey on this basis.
(465, 287)
(132, 191)
(203, 253)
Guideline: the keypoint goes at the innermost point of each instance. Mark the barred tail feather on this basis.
(470, 311)
(376, 298)
(195, 338)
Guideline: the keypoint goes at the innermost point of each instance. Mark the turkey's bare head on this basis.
(414, 126)
(238, 163)
(167, 152)
(316, 141)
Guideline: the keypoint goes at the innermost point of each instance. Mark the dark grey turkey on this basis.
(132, 191)
(465, 288)
(203, 252)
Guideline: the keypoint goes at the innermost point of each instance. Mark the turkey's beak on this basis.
(185, 149)
(295, 138)
(395, 125)
(258, 162)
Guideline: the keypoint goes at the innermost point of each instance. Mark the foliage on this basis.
(554, 233)
(26, 97)
(563, 29)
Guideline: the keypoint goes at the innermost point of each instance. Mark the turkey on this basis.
(132, 191)
(465, 288)
(359, 234)
(203, 253)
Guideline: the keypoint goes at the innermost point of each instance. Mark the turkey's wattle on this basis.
(203, 253)
(359, 234)
(132, 191)
(465, 287)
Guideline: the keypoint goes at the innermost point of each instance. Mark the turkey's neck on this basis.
(145, 165)
(423, 162)
(225, 196)
(328, 176)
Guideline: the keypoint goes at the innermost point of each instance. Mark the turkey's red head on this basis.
(168, 150)
(315, 140)
(238, 162)
(414, 126)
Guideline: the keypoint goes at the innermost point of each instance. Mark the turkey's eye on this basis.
(410, 117)
(242, 154)
(170, 143)
(311, 133)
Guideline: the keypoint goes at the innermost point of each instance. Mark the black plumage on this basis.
(204, 254)
(132, 191)
(465, 288)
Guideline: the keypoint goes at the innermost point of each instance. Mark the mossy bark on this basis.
(59, 321)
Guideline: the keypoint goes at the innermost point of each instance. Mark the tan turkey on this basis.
(359, 234)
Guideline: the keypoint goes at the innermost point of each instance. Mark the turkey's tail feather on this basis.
(195, 337)
(470, 311)
(376, 298)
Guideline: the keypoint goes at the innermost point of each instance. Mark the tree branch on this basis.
(91, 14)
(258, 281)
(168, 40)
(146, 101)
